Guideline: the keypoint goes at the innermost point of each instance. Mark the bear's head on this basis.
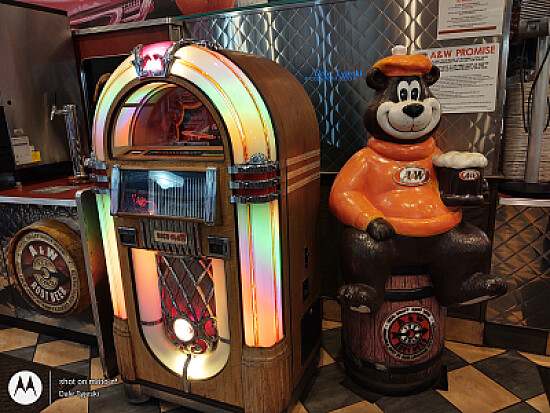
(403, 110)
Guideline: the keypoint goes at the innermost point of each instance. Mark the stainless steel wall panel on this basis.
(37, 62)
(521, 255)
(350, 35)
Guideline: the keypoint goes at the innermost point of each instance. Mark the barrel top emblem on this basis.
(408, 333)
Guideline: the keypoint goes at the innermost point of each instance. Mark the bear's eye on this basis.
(415, 90)
(403, 91)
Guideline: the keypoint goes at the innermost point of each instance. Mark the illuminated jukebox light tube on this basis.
(260, 274)
(234, 95)
(255, 193)
(110, 249)
(201, 366)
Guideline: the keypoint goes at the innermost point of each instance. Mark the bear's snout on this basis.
(413, 110)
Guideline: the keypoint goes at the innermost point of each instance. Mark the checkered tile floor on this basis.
(480, 379)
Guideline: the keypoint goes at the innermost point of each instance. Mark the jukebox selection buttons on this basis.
(47, 265)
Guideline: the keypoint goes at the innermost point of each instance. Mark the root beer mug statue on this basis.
(404, 250)
(460, 177)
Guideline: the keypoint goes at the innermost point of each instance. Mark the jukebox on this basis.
(207, 177)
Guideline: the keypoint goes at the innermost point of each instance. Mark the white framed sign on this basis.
(469, 18)
(469, 74)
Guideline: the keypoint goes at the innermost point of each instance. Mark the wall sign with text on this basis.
(469, 74)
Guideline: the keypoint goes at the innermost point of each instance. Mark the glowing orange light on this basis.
(184, 330)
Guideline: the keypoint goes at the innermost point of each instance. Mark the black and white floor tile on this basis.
(480, 380)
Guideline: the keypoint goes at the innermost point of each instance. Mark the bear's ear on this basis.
(376, 79)
(432, 76)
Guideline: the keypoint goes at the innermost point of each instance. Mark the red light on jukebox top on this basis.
(152, 60)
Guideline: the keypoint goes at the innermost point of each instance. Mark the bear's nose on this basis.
(413, 110)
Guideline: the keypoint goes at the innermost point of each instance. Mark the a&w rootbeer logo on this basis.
(408, 332)
(25, 387)
(411, 175)
(469, 175)
(46, 272)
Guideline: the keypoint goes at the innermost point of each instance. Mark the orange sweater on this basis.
(395, 182)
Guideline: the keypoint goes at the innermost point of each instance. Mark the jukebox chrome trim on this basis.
(253, 199)
(140, 61)
(257, 181)
(115, 189)
(167, 58)
(205, 188)
(99, 176)
(210, 195)
(265, 183)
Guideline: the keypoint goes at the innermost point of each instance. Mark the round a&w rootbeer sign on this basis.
(47, 267)
(46, 272)
(408, 332)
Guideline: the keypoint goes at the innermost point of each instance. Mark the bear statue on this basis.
(388, 197)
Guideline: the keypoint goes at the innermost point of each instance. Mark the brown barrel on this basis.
(396, 350)
(47, 265)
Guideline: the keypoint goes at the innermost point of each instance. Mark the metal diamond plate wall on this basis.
(326, 38)
(521, 255)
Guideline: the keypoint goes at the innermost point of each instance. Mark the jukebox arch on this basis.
(175, 116)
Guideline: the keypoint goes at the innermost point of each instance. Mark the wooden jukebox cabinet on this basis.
(207, 175)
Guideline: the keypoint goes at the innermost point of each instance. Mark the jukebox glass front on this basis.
(164, 119)
(157, 128)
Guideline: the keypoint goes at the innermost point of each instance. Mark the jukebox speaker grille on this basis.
(187, 293)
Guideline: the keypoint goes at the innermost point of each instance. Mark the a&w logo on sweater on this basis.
(411, 175)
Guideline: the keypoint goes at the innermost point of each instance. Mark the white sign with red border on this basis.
(469, 18)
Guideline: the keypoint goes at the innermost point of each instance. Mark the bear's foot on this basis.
(476, 289)
(358, 297)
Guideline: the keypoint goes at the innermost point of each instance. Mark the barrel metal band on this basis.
(386, 368)
(415, 270)
(410, 294)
